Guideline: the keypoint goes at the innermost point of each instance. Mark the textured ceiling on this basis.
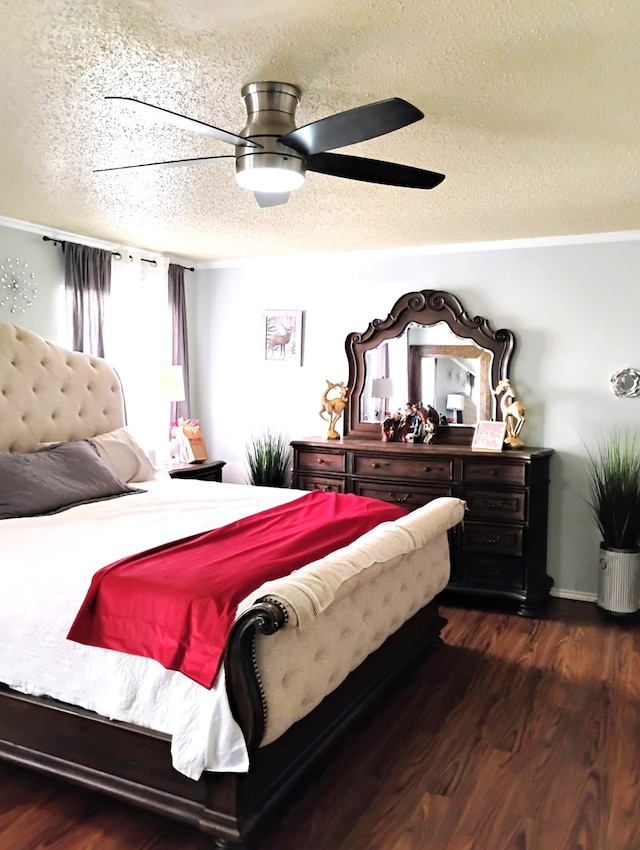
(531, 110)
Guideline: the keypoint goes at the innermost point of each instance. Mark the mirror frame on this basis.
(425, 307)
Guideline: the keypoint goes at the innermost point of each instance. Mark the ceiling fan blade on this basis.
(373, 171)
(271, 199)
(186, 123)
(170, 163)
(352, 126)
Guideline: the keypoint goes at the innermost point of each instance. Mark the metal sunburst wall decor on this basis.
(18, 286)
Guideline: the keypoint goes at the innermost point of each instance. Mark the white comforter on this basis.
(46, 566)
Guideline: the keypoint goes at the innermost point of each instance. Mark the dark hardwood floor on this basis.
(515, 735)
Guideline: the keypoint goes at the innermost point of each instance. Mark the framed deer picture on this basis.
(283, 336)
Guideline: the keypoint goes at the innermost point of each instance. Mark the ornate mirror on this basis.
(429, 350)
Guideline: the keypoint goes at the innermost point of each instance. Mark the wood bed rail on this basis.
(244, 685)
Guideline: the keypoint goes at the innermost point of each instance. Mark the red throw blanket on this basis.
(177, 603)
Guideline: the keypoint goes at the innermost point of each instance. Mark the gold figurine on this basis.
(334, 406)
(513, 413)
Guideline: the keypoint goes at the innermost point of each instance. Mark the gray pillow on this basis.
(55, 478)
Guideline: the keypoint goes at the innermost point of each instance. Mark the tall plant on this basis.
(614, 489)
(268, 459)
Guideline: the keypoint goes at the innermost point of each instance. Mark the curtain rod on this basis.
(117, 254)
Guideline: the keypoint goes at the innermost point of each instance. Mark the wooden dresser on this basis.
(501, 548)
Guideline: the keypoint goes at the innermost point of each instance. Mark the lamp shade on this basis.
(455, 401)
(381, 388)
(171, 383)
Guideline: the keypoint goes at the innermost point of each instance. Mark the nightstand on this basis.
(208, 470)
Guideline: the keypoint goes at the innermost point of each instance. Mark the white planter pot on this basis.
(619, 580)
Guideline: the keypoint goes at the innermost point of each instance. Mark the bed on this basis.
(307, 654)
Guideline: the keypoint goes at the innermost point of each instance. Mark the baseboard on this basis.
(578, 595)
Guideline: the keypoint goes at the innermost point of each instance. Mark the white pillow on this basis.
(120, 451)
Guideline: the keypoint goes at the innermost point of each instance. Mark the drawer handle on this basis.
(320, 460)
(426, 468)
(398, 498)
(375, 465)
(492, 540)
(493, 472)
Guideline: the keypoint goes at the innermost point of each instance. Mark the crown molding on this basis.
(449, 248)
(416, 251)
(67, 236)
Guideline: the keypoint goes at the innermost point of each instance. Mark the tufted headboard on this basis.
(49, 394)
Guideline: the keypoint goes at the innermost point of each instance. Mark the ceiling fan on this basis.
(272, 155)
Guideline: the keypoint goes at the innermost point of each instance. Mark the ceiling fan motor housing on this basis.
(271, 109)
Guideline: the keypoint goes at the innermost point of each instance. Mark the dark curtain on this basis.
(180, 352)
(87, 281)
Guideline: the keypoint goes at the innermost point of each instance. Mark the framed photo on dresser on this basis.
(489, 436)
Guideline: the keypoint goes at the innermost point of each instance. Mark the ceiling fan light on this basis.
(269, 171)
(270, 179)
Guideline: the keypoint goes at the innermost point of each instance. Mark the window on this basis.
(137, 342)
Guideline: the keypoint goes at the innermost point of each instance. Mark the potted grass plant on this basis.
(614, 499)
(268, 459)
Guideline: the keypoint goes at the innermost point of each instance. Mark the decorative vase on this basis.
(619, 580)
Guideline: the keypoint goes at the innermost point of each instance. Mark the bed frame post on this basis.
(244, 687)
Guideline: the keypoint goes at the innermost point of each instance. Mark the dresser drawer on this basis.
(496, 504)
(418, 468)
(494, 572)
(399, 494)
(478, 471)
(496, 539)
(317, 482)
(320, 461)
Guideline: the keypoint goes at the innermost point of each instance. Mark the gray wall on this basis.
(47, 316)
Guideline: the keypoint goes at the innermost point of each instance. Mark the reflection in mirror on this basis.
(431, 366)
(429, 350)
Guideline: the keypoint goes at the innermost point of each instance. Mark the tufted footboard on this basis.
(310, 631)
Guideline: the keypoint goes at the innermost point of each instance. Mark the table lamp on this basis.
(382, 389)
(455, 402)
